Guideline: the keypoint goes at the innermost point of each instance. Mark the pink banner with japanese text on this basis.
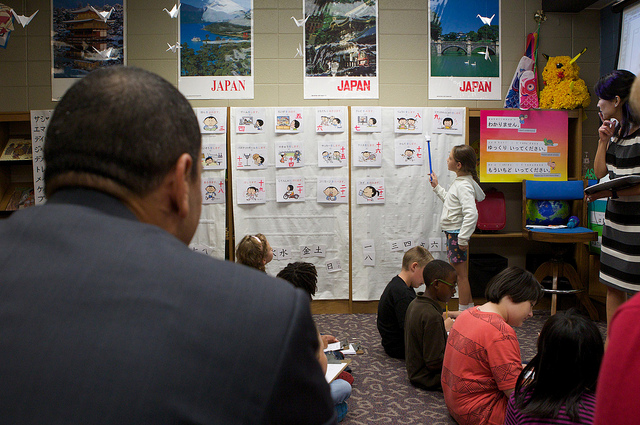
(517, 145)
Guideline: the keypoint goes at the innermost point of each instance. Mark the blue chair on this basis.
(560, 239)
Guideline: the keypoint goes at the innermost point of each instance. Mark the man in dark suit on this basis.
(107, 317)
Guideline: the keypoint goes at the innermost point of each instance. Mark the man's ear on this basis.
(182, 187)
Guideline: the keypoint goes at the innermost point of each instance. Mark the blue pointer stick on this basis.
(426, 136)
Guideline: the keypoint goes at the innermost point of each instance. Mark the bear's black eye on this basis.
(559, 65)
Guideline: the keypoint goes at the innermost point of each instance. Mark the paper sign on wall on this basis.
(409, 151)
(332, 154)
(367, 119)
(332, 190)
(290, 189)
(370, 191)
(251, 157)
(213, 190)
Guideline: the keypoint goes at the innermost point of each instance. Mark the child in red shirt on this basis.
(482, 358)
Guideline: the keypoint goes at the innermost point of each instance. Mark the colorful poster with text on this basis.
(517, 145)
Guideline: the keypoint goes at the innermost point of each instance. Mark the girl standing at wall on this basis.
(459, 214)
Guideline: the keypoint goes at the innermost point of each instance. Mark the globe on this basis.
(547, 213)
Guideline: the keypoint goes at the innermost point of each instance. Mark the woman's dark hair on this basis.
(301, 275)
(618, 83)
(570, 350)
(520, 285)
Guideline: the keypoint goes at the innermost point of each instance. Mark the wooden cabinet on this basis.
(509, 242)
(16, 171)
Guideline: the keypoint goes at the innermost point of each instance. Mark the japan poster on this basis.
(464, 41)
(216, 49)
(341, 49)
(84, 39)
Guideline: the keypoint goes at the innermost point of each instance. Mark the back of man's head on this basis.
(123, 124)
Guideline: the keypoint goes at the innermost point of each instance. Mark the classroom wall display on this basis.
(311, 220)
(39, 122)
(330, 120)
(73, 53)
(517, 145)
(332, 154)
(250, 120)
(251, 156)
(410, 215)
(370, 191)
(213, 190)
(332, 190)
(209, 238)
(216, 49)
(251, 191)
(341, 49)
(367, 153)
(290, 189)
(409, 151)
(366, 119)
(447, 120)
(212, 120)
(289, 120)
(465, 60)
(214, 153)
(408, 120)
(289, 154)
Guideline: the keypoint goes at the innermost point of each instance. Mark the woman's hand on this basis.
(607, 129)
(597, 195)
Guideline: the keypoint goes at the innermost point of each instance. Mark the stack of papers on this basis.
(337, 346)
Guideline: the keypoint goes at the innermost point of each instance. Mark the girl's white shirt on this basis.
(459, 211)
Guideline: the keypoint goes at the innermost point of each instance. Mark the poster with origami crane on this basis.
(464, 45)
(340, 49)
(216, 49)
(85, 38)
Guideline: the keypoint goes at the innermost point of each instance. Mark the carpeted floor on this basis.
(381, 392)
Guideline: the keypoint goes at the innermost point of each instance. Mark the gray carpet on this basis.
(382, 393)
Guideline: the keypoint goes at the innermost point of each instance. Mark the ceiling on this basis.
(573, 6)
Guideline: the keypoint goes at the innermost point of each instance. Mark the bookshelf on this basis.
(16, 167)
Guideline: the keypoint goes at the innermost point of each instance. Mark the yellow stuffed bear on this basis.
(563, 88)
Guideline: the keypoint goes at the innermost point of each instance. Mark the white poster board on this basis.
(301, 229)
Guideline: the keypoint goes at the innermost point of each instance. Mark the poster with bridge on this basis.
(340, 49)
(216, 49)
(464, 44)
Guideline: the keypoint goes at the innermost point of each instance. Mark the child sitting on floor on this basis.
(426, 327)
(305, 276)
(254, 251)
(482, 358)
(558, 385)
(396, 297)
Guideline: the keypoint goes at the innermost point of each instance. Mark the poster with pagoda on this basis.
(85, 38)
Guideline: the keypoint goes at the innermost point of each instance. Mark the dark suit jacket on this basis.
(107, 320)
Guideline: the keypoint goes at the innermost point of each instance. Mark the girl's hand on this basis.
(434, 180)
(463, 247)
